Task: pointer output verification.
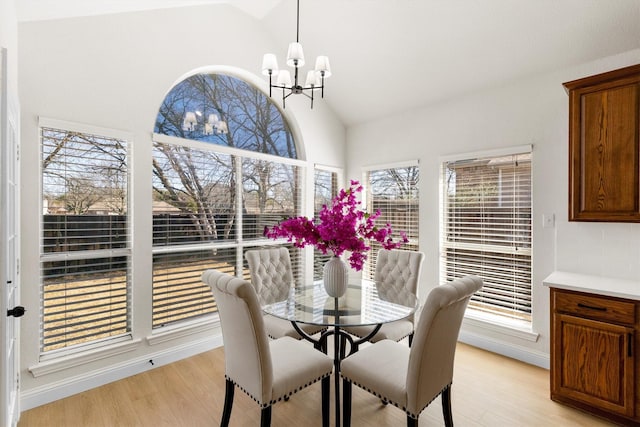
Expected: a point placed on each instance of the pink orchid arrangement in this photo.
(341, 227)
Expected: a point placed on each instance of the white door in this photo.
(9, 254)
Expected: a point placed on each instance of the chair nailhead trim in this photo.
(272, 401)
(414, 416)
(362, 336)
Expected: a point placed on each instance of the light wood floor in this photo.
(488, 390)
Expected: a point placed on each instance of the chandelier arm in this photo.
(312, 87)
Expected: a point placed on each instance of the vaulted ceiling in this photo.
(389, 56)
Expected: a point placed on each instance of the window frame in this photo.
(318, 257)
(239, 243)
(126, 337)
(368, 269)
(492, 320)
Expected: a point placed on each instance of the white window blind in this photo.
(210, 207)
(486, 230)
(271, 191)
(85, 249)
(393, 191)
(325, 186)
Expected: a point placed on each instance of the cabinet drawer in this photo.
(595, 307)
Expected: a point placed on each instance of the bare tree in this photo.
(201, 183)
(81, 169)
(81, 194)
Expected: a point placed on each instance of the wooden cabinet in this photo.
(604, 146)
(594, 364)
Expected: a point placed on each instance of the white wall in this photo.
(9, 40)
(113, 71)
(530, 111)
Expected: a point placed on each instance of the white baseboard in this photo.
(73, 385)
(514, 351)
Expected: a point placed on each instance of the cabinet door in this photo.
(593, 363)
(604, 147)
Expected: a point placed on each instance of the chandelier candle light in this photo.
(295, 59)
(341, 227)
(213, 123)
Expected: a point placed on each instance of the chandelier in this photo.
(194, 121)
(295, 58)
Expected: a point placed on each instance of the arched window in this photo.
(224, 110)
(224, 167)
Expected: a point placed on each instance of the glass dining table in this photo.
(365, 303)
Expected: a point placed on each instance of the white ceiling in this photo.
(389, 56)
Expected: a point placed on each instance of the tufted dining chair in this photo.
(272, 277)
(396, 271)
(412, 377)
(267, 370)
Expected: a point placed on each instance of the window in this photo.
(393, 191)
(214, 192)
(251, 121)
(85, 249)
(486, 229)
(325, 186)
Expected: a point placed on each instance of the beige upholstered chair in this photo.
(396, 271)
(410, 378)
(271, 276)
(267, 370)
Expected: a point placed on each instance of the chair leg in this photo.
(265, 417)
(412, 422)
(326, 396)
(346, 403)
(446, 407)
(228, 403)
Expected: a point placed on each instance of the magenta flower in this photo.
(341, 227)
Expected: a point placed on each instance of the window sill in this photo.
(185, 329)
(516, 329)
(71, 361)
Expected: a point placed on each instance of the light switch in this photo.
(548, 220)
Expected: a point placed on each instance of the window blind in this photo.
(394, 192)
(85, 246)
(486, 230)
(178, 291)
(210, 207)
(193, 196)
(271, 191)
(325, 189)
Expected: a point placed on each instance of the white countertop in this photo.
(621, 288)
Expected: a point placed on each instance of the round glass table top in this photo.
(364, 303)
